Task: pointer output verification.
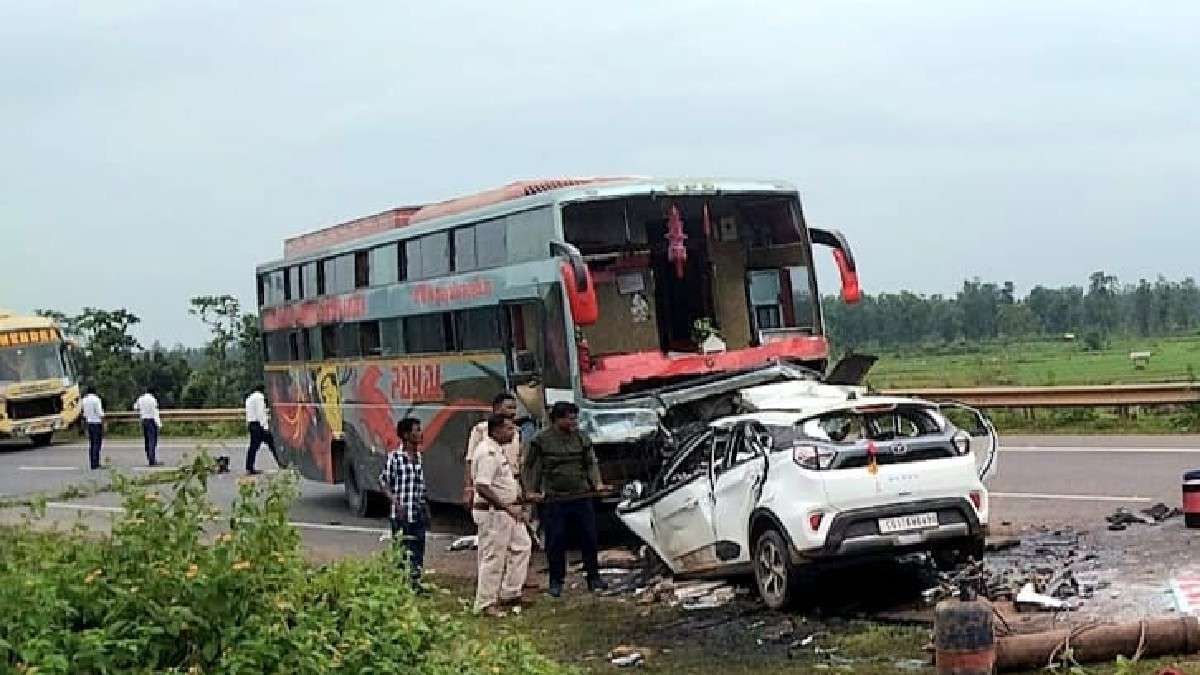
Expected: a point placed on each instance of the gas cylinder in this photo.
(1191, 499)
(963, 638)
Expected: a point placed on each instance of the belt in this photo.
(488, 507)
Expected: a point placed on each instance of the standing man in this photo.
(403, 481)
(257, 424)
(93, 417)
(147, 408)
(504, 404)
(504, 544)
(561, 470)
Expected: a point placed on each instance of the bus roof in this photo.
(10, 320)
(530, 193)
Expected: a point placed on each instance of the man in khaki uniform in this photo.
(504, 544)
(505, 405)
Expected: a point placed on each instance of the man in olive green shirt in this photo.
(560, 470)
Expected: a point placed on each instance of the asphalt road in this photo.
(1042, 480)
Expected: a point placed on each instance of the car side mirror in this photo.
(633, 491)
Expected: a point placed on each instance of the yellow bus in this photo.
(39, 391)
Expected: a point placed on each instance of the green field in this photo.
(1038, 363)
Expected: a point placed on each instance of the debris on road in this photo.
(468, 543)
(1124, 517)
(995, 544)
(1029, 598)
(626, 656)
(622, 558)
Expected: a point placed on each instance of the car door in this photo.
(683, 515)
(985, 444)
(737, 484)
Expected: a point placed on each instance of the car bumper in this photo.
(856, 534)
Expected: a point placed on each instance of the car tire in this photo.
(42, 440)
(774, 573)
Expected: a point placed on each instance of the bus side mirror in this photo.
(851, 291)
(577, 280)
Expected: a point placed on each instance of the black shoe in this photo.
(597, 584)
(252, 472)
(156, 463)
(555, 590)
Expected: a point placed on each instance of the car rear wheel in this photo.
(773, 570)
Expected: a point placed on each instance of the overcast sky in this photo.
(152, 151)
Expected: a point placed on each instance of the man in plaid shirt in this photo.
(403, 481)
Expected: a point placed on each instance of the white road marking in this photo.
(1070, 498)
(85, 507)
(1117, 451)
(339, 528)
(50, 468)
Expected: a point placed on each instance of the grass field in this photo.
(1038, 363)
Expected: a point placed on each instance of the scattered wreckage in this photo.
(796, 471)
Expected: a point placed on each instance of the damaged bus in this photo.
(647, 302)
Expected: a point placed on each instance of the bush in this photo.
(162, 595)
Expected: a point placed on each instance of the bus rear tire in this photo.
(361, 502)
(42, 440)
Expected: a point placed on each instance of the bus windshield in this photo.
(31, 362)
(684, 275)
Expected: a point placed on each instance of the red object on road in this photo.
(1191, 499)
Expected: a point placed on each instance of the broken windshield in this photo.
(31, 362)
(672, 272)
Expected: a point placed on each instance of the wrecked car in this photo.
(805, 473)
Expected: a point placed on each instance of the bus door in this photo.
(537, 352)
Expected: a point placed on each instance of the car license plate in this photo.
(917, 521)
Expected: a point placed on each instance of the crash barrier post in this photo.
(1191, 499)
(1099, 643)
(964, 640)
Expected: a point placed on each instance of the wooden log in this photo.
(1097, 643)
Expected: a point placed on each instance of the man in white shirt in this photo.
(505, 405)
(259, 428)
(93, 418)
(147, 408)
(504, 542)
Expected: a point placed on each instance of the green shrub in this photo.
(179, 588)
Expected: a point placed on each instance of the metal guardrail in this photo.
(184, 415)
(1116, 395)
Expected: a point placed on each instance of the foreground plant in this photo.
(177, 588)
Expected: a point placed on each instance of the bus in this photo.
(39, 391)
(643, 301)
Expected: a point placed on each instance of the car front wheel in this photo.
(773, 570)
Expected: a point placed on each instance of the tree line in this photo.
(984, 310)
(112, 360)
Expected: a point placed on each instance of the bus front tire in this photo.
(42, 440)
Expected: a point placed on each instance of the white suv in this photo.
(817, 473)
